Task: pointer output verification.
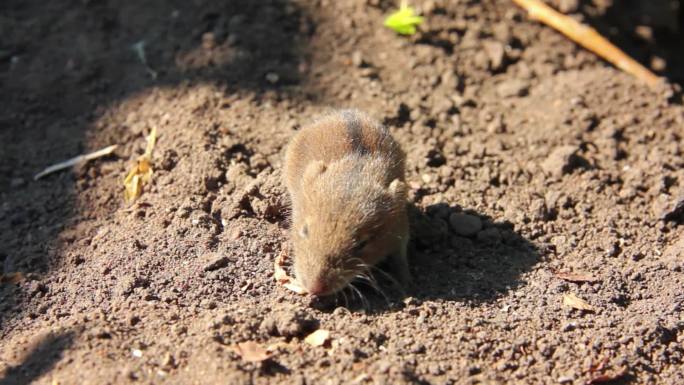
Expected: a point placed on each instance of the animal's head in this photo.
(344, 221)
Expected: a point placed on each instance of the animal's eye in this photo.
(304, 232)
(360, 245)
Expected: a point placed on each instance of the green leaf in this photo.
(404, 20)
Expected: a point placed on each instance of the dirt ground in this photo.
(528, 158)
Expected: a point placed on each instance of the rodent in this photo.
(345, 175)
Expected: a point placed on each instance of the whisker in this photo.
(394, 282)
(351, 292)
(364, 302)
(373, 284)
(368, 273)
(365, 278)
(344, 295)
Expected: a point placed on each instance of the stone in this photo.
(214, 261)
(465, 225)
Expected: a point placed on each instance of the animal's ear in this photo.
(397, 189)
(313, 170)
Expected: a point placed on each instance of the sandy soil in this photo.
(528, 158)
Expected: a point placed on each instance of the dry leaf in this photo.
(607, 377)
(597, 378)
(251, 351)
(281, 276)
(318, 338)
(282, 257)
(576, 277)
(598, 367)
(13, 278)
(141, 173)
(151, 141)
(280, 273)
(575, 302)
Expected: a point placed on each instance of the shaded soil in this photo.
(527, 157)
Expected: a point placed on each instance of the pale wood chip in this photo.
(575, 302)
(318, 338)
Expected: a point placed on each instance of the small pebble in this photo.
(208, 40)
(464, 224)
(512, 88)
(645, 32)
(496, 52)
(568, 6)
(214, 261)
(658, 64)
(272, 77)
(569, 326)
(169, 361)
(357, 59)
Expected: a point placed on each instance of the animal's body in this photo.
(345, 177)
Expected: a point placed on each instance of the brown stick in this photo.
(588, 38)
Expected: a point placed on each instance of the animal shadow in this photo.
(464, 255)
(454, 255)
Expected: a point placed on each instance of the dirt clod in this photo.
(561, 160)
(289, 322)
(671, 208)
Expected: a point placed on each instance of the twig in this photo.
(588, 38)
(76, 160)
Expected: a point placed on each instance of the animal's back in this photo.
(339, 135)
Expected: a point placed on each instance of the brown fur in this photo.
(345, 176)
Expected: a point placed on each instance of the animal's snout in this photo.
(318, 287)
